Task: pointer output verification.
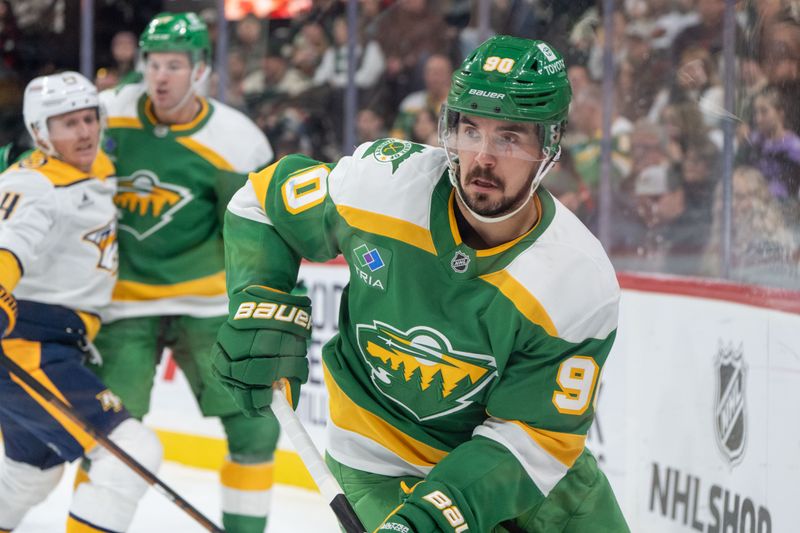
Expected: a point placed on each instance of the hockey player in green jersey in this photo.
(180, 157)
(477, 319)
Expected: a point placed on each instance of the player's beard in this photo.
(481, 204)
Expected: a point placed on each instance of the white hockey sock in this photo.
(108, 500)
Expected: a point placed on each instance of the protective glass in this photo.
(459, 133)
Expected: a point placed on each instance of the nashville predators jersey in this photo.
(59, 225)
(475, 367)
(174, 184)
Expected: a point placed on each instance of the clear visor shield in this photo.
(460, 133)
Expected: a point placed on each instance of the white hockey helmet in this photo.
(56, 94)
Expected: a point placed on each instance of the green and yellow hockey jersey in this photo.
(470, 367)
(174, 184)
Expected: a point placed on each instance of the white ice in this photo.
(293, 509)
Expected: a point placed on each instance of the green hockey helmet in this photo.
(514, 79)
(177, 32)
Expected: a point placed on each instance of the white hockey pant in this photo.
(21, 487)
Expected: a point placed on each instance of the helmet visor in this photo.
(460, 133)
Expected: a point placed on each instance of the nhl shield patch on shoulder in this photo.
(393, 151)
(730, 416)
(370, 263)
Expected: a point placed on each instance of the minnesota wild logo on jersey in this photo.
(393, 151)
(146, 204)
(420, 370)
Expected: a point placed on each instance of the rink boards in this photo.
(697, 422)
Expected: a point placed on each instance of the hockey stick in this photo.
(316, 466)
(107, 443)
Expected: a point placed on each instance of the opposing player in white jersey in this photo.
(180, 157)
(58, 265)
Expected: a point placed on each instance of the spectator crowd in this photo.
(667, 123)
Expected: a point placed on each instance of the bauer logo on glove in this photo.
(273, 311)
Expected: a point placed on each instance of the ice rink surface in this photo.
(293, 509)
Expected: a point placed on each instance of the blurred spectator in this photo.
(9, 37)
(684, 125)
(661, 21)
(234, 90)
(333, 68)
(752, 81)
(370, 125)
(105, 79)
(124, 56)
(649, 69)
(409, 32)
(426, 128)
(275, 78)
(331, 75)
(249, 41)
(780, 59)
(705, 34)
(773, 149)
(596, 50)
(578, 76)
(700, 171)
(369, 16)
(585, 138)
(308, 47)
(566, 185)
(763, 246)
(660, 236)
(438, 70)
(124, 52)
(696, 81)
(322, 14)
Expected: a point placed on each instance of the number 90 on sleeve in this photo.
(577, 377)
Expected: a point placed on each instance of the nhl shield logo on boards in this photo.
(460, 262)
(730, 416)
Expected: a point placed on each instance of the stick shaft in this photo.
(314, 462)
(107, 443)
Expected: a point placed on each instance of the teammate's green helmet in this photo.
(514, 79)
(177, 32)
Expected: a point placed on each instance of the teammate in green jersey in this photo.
(477, 319)
(180, 157)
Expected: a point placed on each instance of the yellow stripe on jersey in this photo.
(125, 122)
(566, 447)
(451, 212)
(260, 181)
(28, 355)
(240, 476)
(78, 526)
(523, 300)
(205, 152)
(213, 285)
(10, 271)
(63, 174)
(346, 415)
(387, 226)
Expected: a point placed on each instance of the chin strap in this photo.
(544, 168)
